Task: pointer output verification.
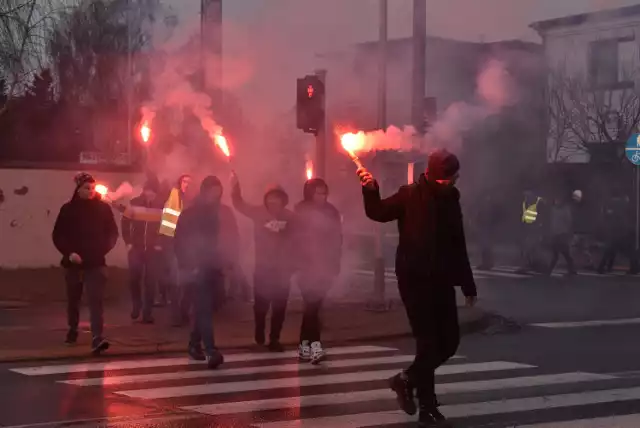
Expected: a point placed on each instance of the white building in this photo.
(593, 92)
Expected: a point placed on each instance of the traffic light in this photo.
(310, 104)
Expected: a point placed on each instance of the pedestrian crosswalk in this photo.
(349, 390)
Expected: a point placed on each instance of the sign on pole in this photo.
(632, 149)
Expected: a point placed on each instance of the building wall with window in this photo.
(594, 63)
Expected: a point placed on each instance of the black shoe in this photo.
(148, 320)
(195, 352)
(259, 336)
(135, 313)
(404, 393)
(275, 346)
(72, 337)
(214, 361)
(432, 419)
(99, 345)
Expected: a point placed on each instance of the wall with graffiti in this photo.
(30, 200)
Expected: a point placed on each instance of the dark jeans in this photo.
(433, 316)
(270, 290)
(615, 246)
(143, 270)
(174, 285)
(314, 289)
(561, 245)
(202, 289)
(93, 280)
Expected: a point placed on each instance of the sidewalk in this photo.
(37, 333)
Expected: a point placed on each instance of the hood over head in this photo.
(210, 182)
(276, 190)
(442, 165)
(310, 187)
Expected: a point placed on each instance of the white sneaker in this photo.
(317, 353)
(304, 351)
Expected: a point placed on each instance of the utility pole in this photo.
(379, 302)
(321, 136)
(211, 49)
(419, 77)
(129, 86)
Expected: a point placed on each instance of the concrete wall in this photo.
(30, 203)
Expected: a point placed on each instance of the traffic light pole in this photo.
(321, 136)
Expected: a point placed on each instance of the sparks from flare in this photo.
(145, 132)
(351, 143)
(309, 170)
(222, 144)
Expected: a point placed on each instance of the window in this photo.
(611, 63)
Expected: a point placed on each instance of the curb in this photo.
(473, 326)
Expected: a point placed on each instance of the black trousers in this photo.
(143, 277)
(270, 290)
(561, 245)
(433, 316)
(314, 289)
(94, 281)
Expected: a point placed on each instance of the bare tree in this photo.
(579, 113)
(24, 26)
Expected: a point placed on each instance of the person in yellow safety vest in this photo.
(170, 214)
(530, 235)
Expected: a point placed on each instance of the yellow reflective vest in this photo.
(530, 213)
(170, 213)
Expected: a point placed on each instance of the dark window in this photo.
(603, 63)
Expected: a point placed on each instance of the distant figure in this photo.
(272, 224)
(561, 233)
(318, 247)
(431, 259)
(197, 248)
(618, 235)
(487, 219)
(144, 254)
(84, 233)
(530, 231)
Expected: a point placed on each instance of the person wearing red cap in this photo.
(431, 259)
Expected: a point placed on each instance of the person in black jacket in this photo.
(430, 260)
(199, 254)
(272, 224)
(144, 253)
(318, 246)
(84, 232)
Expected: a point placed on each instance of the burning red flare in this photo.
(309, 170)
(145, 132)
(352, 143)
(222, 144)
(102, 190)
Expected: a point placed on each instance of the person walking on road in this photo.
(197, 248)
(318, 246)
(144, 254)
(272, 277)
(430, 260)
(85, 231)
(561, 231)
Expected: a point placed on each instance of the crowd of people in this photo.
(195, 246)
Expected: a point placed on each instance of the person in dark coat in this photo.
(197, 246)
(272, 225)
(561, 233)
(430, 260)
(618, 222)
(318, 248)
(84, 233)
(144, 253)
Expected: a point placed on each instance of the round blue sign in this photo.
(633, 149)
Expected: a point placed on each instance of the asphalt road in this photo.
(535, 376)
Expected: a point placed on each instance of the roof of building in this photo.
(574, 20)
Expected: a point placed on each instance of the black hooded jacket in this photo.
(432, 249)
(85, 227)
(272, 234)
(318, 233)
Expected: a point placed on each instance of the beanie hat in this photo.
(83, 177)
(209, 183)
(442, 165)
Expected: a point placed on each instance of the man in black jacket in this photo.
(84, 232)
(199, 254)
(144, 254)
(431, 259)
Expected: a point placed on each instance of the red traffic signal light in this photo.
(310, 103)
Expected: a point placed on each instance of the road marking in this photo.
(296, 367)
(445, 388)
(599, 323)
(479, 409)
(126, 421)
(620, 421)
(171, 362)
(341, 398)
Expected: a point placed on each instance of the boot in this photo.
(430, 416)
(404, 392)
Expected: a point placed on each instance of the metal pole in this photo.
(321, 136)
(378, 265)
(419, 64)
(129, 84)
(637, 210)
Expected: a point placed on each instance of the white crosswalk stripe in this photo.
(348, 390)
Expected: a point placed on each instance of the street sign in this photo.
(632, 149)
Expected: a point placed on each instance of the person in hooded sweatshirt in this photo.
(272, 224)
(85, 231)
(318, 247)
(197, 248)
(430, 260)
